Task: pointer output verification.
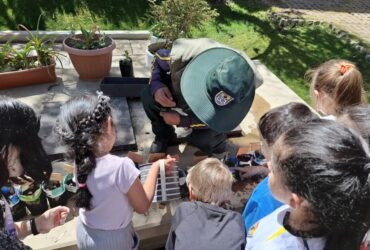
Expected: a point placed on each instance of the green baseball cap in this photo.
(219, 87)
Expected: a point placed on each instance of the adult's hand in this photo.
(51, 218)
(164, 97)
(171, 118)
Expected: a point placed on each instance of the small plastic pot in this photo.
(54, 190)
(34, 199)
(18, 211)
(70, 186)
(126, 68)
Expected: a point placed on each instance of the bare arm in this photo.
(141, 196)
(44, 223)
(23, 229)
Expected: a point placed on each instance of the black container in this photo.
(123, 86)
(58, 201)
(38, 207)
(126, 68)
(19, 211)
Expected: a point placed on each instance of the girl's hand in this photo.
(169, 163)
(51, 218)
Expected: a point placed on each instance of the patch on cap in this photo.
(222, 98)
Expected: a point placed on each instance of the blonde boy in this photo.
(202, 223)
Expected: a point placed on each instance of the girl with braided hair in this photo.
(109, 186)
(21, 153)
(321, 171)
(335, 85)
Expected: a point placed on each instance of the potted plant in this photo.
(125, 66)
(90, 53)
(175, 19)
(33, 64)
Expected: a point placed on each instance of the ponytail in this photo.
(339, 79)
(348, 90)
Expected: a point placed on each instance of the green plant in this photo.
(21, 58)
(88, 39)
(176, 18)
(42, 45)
(5, 55)
(38, 51)
(127, 59)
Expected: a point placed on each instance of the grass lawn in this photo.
(288, 54)
(68, 14)
(243, 24)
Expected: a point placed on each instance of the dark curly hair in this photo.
(19, 127)
(329, 166)
(79, 126)
(278, 120)
(358, 118)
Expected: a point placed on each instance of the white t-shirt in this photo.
(109, 183)
(269, 233)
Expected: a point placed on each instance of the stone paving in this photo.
(352, 16)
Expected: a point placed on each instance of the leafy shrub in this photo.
(176, 18)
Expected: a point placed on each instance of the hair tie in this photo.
(344, 67)
(81, 185)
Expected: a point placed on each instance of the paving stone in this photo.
(139, 47)
(121, 46)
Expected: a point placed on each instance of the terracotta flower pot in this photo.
(13, 79)
(91, 64)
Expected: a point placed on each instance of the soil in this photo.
(52, 185)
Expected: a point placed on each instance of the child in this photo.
(202, 223)
(271, 125)
(335, 85)
(357, 118)
(109, 186)
(21, 153)
(321, 171)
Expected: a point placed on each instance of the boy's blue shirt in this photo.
(260, 204)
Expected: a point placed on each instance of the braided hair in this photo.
(79, 126)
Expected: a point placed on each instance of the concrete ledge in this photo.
(21, 36)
